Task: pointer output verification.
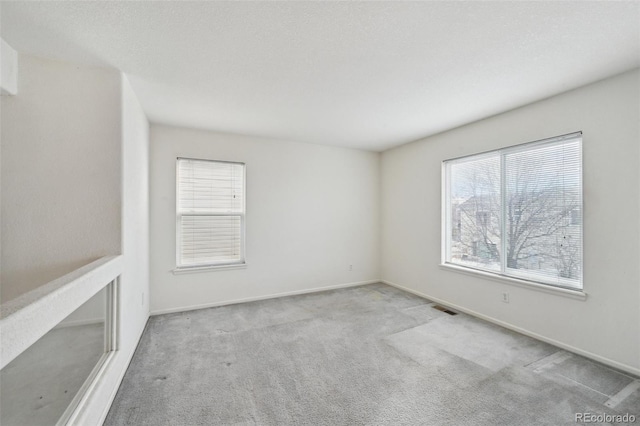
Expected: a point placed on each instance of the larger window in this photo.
(518, 211)
(210, 213)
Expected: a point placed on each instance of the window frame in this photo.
(506, 274)
(210, 265)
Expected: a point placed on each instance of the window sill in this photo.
(565, 292)
(178, 271)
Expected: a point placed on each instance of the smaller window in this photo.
(210, 213)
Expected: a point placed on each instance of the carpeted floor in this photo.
(369, 355)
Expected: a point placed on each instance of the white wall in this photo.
(135, 206)
(60, 170)
(312, 211)
(134, 282)
(75, 165)
(607, 325)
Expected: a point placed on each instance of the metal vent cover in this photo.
(444, 309)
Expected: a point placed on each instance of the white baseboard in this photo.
(264, 297)
(586, 354)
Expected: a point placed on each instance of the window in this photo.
(210, 213)
(517, 211)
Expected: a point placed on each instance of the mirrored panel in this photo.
(43, 384)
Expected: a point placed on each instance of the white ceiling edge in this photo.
(194, 124)
(517, 107)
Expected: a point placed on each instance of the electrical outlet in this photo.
(351, 267)
(505, 297)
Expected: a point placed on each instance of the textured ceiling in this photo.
(367, 75)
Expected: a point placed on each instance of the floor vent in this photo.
(445, 310)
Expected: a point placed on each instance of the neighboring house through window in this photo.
(517, 211)
(210, 213)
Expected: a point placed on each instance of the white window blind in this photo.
(210, 213)
(518, 211)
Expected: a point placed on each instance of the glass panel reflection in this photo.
(37, 387)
